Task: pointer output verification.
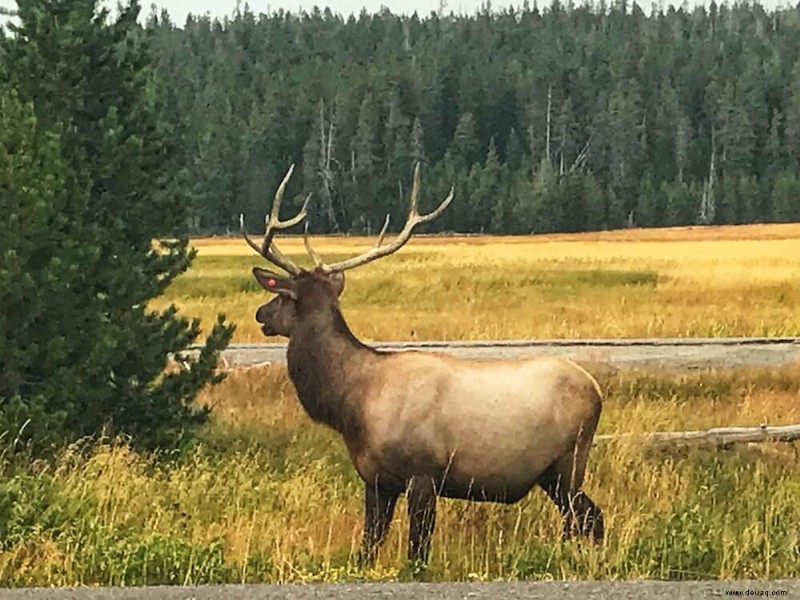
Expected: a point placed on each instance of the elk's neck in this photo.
(331, 371)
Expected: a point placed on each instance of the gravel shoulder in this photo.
(684, 354)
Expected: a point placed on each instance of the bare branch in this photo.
(580, 160)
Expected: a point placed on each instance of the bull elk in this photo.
(427, 424)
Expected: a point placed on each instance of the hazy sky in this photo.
(178, 9)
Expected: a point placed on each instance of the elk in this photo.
(424, 424)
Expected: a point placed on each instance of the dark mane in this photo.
(340, 327)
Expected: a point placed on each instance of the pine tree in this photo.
(98, 356)
(793, 116)
(786, 198)
(365, 165)
(395, 139)
(464, 147)
(417, 142)
(33, 203)
(514, 151)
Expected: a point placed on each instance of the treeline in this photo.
(555, 119)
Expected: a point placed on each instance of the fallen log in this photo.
(716, 437)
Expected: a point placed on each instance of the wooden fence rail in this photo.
(717, 437)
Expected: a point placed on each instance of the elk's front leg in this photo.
(422, 518)
(378, 511)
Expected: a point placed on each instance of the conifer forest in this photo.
(554, 118)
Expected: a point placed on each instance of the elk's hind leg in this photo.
(421, 496)
(378, 511)
(562, 482)
(581, 515)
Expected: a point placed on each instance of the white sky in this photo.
(179, 9)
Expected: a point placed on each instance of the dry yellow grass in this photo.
(322, 514)
(715, 281)
(634, 487)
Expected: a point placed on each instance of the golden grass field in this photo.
(269, 496)
(684, 282)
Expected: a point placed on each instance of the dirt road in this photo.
(673, 353)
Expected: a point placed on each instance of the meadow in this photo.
(268, 496)
(683, 282)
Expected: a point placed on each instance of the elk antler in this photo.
(378, 251)
(273, 224)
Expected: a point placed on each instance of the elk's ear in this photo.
(337, 283)
(277, 284)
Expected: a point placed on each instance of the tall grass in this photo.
(269, 496)
(727, 281)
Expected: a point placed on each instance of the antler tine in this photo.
(431, 215)
(383, 232)
(314, 256)
(268, 249)
(378, 251)
(249, 241)
(414, 191)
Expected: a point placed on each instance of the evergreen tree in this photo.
(514, 152)
(395, 142)
(680, 203)
(366, 169)
(538, 208)
(786, 198)
(464, 148)
(95, 188)
(32, 282)
(793, 116)
(417, 142)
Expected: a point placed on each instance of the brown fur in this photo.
(433, 425)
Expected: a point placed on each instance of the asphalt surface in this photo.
(684, 354)
(616, 590)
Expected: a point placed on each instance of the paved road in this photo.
(675, 353)
(634, 590)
